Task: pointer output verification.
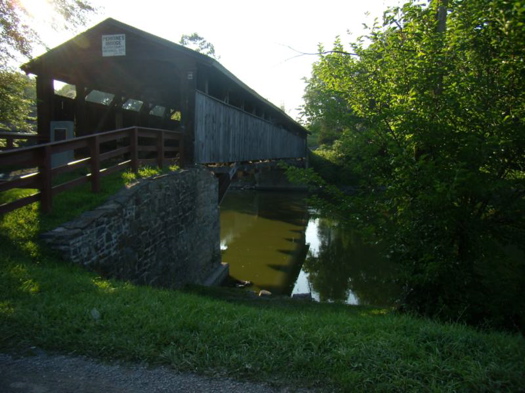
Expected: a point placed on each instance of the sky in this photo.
(259, 42)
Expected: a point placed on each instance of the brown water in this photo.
(275, 241)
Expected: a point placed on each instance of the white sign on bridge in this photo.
(114, 45)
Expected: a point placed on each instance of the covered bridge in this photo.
(125, 77)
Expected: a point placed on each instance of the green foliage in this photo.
(70, 204)
(330, 165)
(17, 101)
(22, 226)
(17, 35)
(326, 110)
(198, 44)
(344, 262)
(17, 39)
(146, 171)
(436, 137)
(68, 91)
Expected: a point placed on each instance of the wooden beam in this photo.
(188, 94)
(81, 125)
(45, 108)
(94, 153)
(44, 170)
(116, 102)
(119, 115)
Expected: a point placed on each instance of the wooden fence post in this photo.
(134, 147)
(46, 186)
(181, 151)
(160, 149)
(94, 147)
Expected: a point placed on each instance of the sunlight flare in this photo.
(41, 11)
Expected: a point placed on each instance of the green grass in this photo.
(47, 303)
(70, 204)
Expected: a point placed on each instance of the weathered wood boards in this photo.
(224, 133)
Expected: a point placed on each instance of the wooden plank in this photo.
(68, 145)
(8, 207)
(116, 168)
(227, 134)
(70, 184)
(134, 140)
(40, 156)
(70, 167)
(29, 181)
(147, 161)
(19, 157)
(18, 135)
(114, 153)
(45, 94)
(95, 163)
(168, 135)
(44, 169)
(160, 150)
(111, 136)
(143, 148)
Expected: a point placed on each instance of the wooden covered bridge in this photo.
(129, 86)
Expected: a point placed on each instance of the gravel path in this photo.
(45, 373)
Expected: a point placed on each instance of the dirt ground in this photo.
(46, 373)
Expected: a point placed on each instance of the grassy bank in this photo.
(46, 303)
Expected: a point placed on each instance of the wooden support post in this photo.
(101, 126)
(81, 125)
(46, 186)
(188, 115)
(119, 116)
(45, 93)
(143, 115)
(181, 151)
(160, 149)
(134, 147)
(94, 153)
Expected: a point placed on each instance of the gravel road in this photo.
(45, 373)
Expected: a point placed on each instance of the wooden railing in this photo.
(11, 137)
(36, 167)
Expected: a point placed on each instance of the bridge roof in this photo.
(140, 65)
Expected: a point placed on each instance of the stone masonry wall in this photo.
(162, 231)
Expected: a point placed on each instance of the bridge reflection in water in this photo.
(270, 239)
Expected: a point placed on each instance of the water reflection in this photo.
(340, 266)
(270, 239)
(262, 238)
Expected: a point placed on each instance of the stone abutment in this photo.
(162, 231)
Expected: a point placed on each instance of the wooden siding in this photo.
(224, 133)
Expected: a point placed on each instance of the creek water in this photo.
(276, 241)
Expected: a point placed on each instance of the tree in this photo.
(366, 273)
(17, 39)
(326, 111)
(198, 44)
(18, 36)
(17, 97)
(437, 135)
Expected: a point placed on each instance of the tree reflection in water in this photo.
(343, 267)
(265, 237)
